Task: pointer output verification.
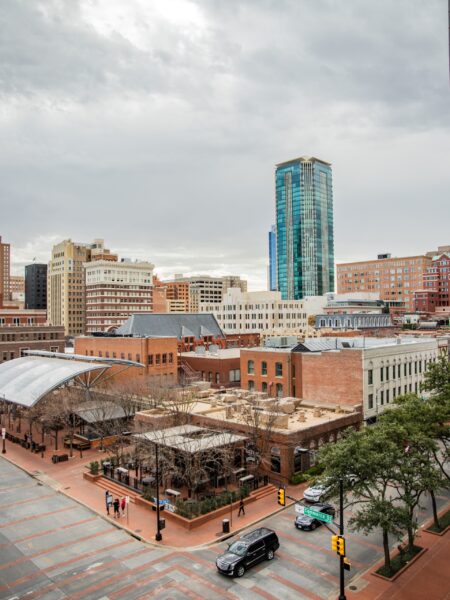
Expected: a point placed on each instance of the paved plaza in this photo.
(52, 547)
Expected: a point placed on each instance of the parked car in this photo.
(303, 521)
(316, 493)
(249, 550)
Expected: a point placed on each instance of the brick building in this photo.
(27, 330)
(221, 368)
(394, 279)
(435, 290)
(369, 372)
(158, 355)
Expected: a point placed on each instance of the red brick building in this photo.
(158, 355)
(435, 291)
(22, 330)
(221, 368)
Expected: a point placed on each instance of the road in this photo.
(52, 548)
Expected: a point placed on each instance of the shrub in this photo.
(298, 478)
(93, 467)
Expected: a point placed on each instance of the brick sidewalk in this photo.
(67, 477)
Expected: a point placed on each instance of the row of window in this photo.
(396, 370)
(387, 395)
(251, 368)
(264, 388)
(157, 359)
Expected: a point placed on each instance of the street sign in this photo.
(310, 512)
(3, 433)
(299, 509)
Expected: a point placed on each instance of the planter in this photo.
(196, 521)
(445, 517)
(91, 476)
(403, 569)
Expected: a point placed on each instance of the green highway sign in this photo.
(310, 512)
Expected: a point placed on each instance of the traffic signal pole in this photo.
(341, 532)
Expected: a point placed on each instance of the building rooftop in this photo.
(219, 354)
(303, 159)
(190, 438)
(171, 325)
(324, 344)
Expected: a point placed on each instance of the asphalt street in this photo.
(51, 547)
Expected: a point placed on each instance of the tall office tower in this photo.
(36, 286)
(66, 289)
(272, 259)
(305, 236)
(5, 289)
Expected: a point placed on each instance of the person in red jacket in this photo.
(123, 505)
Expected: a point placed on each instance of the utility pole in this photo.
(341, 532)
(158, 536)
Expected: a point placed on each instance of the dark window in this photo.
(150, 359)
(370, 376)
(279, 369)
(250, 367)
(382, 374)
(264, 368)
(370, 401)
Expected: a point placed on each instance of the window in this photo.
(251, 385)
(264, 368)
(387, 396)
(234, 375)
(164, 359)
(138, 358)
(404, 370)
(382, 398)
(279, 390)
(387, 373)
(170, 357)
(217, 378)
(370, 401)
(275, 460)
(399, 370)
(279, 369)
(410, 368)
(251, 367)
(370, 376)
(393, 371)
(158, 359)
(382, 374)
(150, 359)
(264, 387)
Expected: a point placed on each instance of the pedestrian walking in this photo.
(123, 505)
(241, 507)
(116, 505)
(109, 501)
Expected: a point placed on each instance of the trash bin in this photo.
(226, 526)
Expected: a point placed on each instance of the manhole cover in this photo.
(67, 488)
(352, 587)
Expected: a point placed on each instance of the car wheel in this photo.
(240, 571)
(313, 526)
(269, 555)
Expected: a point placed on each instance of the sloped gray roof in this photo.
(322, 344)
(93, 412)
(171, 325)
(26, 380)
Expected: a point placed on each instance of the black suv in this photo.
(249, 550)
(305, 522)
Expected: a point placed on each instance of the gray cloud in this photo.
(159, 131)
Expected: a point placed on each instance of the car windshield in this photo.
(239, 548)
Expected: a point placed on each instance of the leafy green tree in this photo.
(369, 457)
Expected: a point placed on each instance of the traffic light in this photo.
(338, 544)
(281, 496)
(346, 564)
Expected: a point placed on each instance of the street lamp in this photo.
(4, 440)
(158, 536)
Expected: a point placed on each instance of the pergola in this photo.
(24, 381)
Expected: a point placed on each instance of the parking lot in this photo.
(51, 547)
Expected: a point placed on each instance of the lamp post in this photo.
(158, 536)
(3, 440)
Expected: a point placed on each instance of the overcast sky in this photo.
(156, 125)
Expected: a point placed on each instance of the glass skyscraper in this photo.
(304, 228)
(273, 258)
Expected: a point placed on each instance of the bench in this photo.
(170, 492)
(77, 444)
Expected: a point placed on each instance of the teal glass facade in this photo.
(304, 222)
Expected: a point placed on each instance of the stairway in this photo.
(116, 489)
(190, 374)
(264, 491)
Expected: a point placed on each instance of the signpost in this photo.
(310, 512)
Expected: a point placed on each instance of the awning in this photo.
(26, 380)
